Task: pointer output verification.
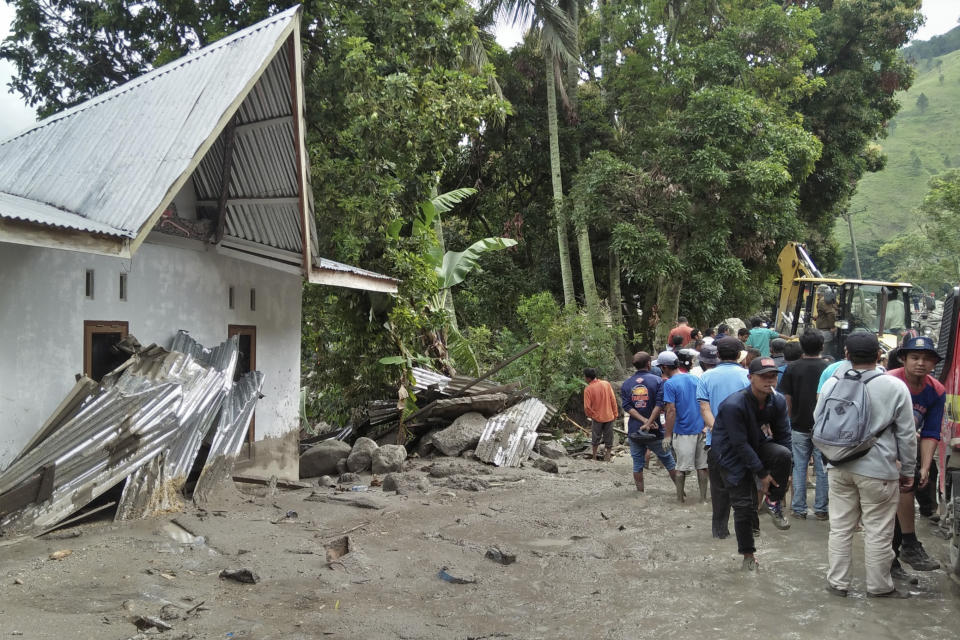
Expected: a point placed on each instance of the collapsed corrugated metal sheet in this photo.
(123, 427)
(113, 159)
(508, 437)
(145, 423)
(154, 489)
(228, 435)
(425, 378)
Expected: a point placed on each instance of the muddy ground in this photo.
(594, 560)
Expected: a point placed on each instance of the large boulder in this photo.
(463, 434)
(388, 458)
(551, 449)
(362, 454)
(321, 459)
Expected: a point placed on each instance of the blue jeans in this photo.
(639, 454)
(802, 450)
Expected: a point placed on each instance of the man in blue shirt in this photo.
(684, 424)
(713, 387)
(642, 398)
(749, 458)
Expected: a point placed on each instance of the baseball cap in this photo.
(666, 359)
(920, 343)
(765, 364)
(709, 354)
(862, 343)
(728, 348)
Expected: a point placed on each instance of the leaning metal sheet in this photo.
(508, 437)
(121, 428)
(201, 401)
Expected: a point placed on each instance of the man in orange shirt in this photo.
(600, 405)
(682, 329)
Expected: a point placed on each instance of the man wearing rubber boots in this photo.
(642, 399)
(919, 359)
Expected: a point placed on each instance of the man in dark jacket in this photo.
(751, 436)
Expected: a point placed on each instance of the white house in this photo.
(179, 200)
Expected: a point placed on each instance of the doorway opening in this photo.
(246, 362)
(100, 353)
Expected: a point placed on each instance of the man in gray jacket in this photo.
(869, 487)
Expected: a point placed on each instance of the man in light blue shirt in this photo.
(713, 387)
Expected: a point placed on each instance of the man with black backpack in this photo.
(863, 424)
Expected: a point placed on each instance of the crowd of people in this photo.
(746, 415)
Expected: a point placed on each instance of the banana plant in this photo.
(450, 267)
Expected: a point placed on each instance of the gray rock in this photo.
(467, 483)
(425, 446)
(342, 466)
(388, 458)
(546, 464)
(321, 459)
(405, 483)
(469, 454)
(326, 481)
(463, 434)
(552, 450)
(501, 555)
(359, 459)
(348, 479)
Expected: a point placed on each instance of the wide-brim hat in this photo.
(921, 344)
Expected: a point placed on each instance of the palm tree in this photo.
(558, 41)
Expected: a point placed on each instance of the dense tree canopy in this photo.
(684, 140)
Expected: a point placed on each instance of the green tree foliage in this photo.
(856, 57)
(935, 46)
(929, 255)
(923, 102)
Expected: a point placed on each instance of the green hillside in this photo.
(919, 145)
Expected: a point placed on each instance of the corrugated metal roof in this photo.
(113, 159)
(16, 208)
(508, 437)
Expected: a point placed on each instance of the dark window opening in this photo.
(253, 299)
(88, 284)
(100, 355)
(123, 286)
(230, 298)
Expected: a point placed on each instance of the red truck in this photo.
(948, 372)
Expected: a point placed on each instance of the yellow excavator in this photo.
(879, 307)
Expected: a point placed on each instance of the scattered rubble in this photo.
(245, 576)
(551, 449)
(450, 575)
(546, 464)
(500, 556)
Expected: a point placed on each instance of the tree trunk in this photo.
(616, 310)
(608, 61)
(668, 304)
(566, 270)
(590, 295)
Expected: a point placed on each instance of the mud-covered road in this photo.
(594, 560)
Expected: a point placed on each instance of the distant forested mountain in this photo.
(935, 46)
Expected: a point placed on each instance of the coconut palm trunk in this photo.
(563, 242)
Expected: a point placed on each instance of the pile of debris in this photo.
(142, 425)
(498, 423)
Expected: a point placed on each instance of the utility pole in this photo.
(853, 241)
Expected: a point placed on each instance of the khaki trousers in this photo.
(854, 497)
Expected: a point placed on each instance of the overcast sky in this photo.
(941, 16)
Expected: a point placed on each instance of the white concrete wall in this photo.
(43, 307)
